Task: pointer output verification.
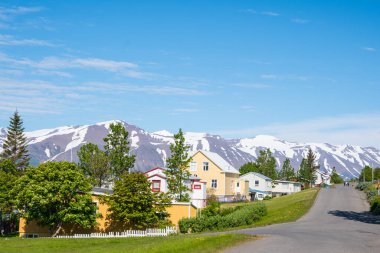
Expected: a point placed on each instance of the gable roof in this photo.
(218, 160)
(258, 175)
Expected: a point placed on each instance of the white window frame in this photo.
(206, 165)
(193, 166)
(214, 183)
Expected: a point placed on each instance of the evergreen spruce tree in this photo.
(14, 146)
(311, 166)
(287, 171)
(177, 170)
(302, 173)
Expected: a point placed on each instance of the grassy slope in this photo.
(286, 208)
(183, 244)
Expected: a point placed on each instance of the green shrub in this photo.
(234, 217)
(362, 186)
(371, 194)
(212, 209)
(267, 197)
(375, 205)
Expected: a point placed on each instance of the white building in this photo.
(158, 180)
(260, 186)
(282, 187)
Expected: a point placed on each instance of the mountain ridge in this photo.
(152, 149)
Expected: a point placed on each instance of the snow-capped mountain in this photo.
(152, 149)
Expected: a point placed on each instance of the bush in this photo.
(362, 186)
(267, 197)
(234, 217)
(375, 205)
(371, 194)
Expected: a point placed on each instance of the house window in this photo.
(205, 166)
(214, 183)
(95, 204)
(193, 166)
(156, 185)
(237, 184)
(197, 187)
(260, 195)
(256, 182)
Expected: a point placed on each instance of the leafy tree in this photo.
(133, 204)
(287, 171)
(54, 194)
(177, 170)
(248, 167)
(366, 174)
(14, 146)
(264, 164)
(117, 149)
(335, 178)
(94, 163)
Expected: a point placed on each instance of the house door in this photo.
(253, 194)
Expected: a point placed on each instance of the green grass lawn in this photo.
(180, 243)
(286, 208)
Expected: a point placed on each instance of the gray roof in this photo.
(101, 191)
(258, 175)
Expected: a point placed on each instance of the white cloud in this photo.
(9, 40)
(8, 13)
(252, 85)
(300, 21)
(248, 108)
(270, 13)
(369, 49)
(355, 129)
(284, 77)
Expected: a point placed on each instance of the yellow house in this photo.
(221, 178)
(31, 229)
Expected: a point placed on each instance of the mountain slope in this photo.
(152, 149)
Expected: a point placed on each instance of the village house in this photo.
(198, 195)
(260, 186)
(282, 187)
(30, 229)
(221, 178)
(322, 178)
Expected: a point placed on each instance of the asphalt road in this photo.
(338, 222)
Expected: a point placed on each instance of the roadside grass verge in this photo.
(180, 243)
(284, 209)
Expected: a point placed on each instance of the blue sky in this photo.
(298, 70)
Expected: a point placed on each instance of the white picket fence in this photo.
(128, 233)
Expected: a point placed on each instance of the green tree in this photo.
(177, 170)
(94, 163)
(303, 172)
(54, 194)
(311, 166)
(133, 204)
(335, 178)
(264, 164)
(287, 171)
(366, 174)
(117, 150)
(248, 167)
(14, 146)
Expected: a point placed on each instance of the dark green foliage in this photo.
(287, 171)
(249, 167)
(14, 146)
(335, 178)
(133, 204)
(366, 174)
(308, 167)
(177, 171)
(94, 163)
(375, 205)
(265, 164)
(7, 182)
(117, 150)
(54, 194)
(245, 215)
(212, 208)
(362, 186)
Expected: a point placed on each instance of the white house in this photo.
(281, 187)
(322, 178)
(260, 186)
(198, 195)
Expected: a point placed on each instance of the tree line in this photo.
(55, 194)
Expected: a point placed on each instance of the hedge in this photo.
(375, 205)
(245, 215)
